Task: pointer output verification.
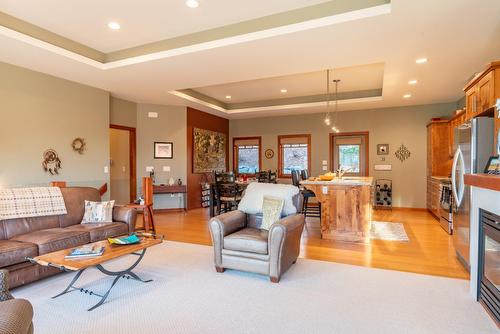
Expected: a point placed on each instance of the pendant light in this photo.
(327, 117)
(334, 127)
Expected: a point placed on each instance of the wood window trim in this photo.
(280, 154)
(365, 134)
(132, 158)
(235, 153)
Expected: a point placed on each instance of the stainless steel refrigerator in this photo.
(473, 147)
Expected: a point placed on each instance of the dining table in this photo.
(242, 184)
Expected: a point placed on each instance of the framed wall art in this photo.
(163, 150)
(209, 151)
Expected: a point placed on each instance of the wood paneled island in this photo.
(346, 207)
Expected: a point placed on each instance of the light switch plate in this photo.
(166, 168)
(150, 169)
(106, 169)
(124, 169)
(383, 167)
(152, 114)
(325, 162)
(324, 168)
(324, 189)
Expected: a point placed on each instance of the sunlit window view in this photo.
(248, 159)
(294, 157)
(349, 157)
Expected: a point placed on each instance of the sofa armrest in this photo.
(222, 225)
(16, 316)
(284, 243)
(123, 214)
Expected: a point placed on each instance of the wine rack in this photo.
(205, 195)
(383, 194)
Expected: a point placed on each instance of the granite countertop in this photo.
(345, 181)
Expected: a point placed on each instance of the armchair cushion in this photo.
(247, 240)
(252, 200)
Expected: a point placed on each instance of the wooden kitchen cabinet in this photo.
(482, 92)
(438, 148)
(455, 121)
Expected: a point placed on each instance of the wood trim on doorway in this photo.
(235, 152)
(365, 134)
(132, 157)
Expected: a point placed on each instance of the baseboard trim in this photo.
(170, 210)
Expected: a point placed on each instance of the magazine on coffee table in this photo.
(85, 251)
(130, 240)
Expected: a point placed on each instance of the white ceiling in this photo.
(144, 21)
(354, 78)
(458, 36)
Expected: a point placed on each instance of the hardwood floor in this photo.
(429, 251)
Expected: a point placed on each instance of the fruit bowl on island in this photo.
(327, 177)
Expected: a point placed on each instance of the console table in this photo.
(174, 189)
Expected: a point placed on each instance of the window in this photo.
(294, 154)
(349, 152)
(246, 155)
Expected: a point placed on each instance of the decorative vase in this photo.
(179, 182)
(171, 181)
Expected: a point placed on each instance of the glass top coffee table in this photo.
(57, 259)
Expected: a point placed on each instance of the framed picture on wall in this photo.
(163, 150)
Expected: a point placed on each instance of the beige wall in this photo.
(37, 112)
(170, 126)
(393, 126)
(122, 112)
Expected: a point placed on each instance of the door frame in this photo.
(365, 134)
(132, 158)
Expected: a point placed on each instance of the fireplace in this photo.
(489, 263)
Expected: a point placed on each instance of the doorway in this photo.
(122, 150)
(350, 151)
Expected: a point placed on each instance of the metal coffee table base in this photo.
(127, 273)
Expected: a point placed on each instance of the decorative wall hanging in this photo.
(402, 153)
(78, 145)
(269, 153)
(51, 162)
(163, 150)
(209, 151)
(382, 149)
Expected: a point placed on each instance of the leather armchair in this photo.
(239, 242)
(15, 314)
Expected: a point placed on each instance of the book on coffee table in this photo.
(85, 251)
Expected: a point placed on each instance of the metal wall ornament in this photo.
(402, 153)
(269, 153)
(51, 163)
(78, 145)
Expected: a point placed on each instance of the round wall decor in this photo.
(78, 145)
(269, 153)
(51, 162)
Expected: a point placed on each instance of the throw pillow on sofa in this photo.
(98, 212)
(271, 211)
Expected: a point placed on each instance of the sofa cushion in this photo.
(14, 252)
(74, 198)
(55, 239)
(247, 240)
(101, 231)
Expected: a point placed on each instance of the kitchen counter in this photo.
(346, 207)
(486, 181)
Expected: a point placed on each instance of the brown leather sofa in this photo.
(29, 237)
(239, 242)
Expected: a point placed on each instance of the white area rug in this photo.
(388, 231)
(188, 296)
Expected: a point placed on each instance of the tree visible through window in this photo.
(349, 157)
(294, 157)
(248, 159)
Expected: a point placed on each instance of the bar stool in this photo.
(309, 210)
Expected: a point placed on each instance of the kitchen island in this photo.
(346, 207)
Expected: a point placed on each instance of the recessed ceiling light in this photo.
(284, 90)
(421, 60)
(192, 3)
(407, 96)
(228, 97)
(114, 25)
(412, 82)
